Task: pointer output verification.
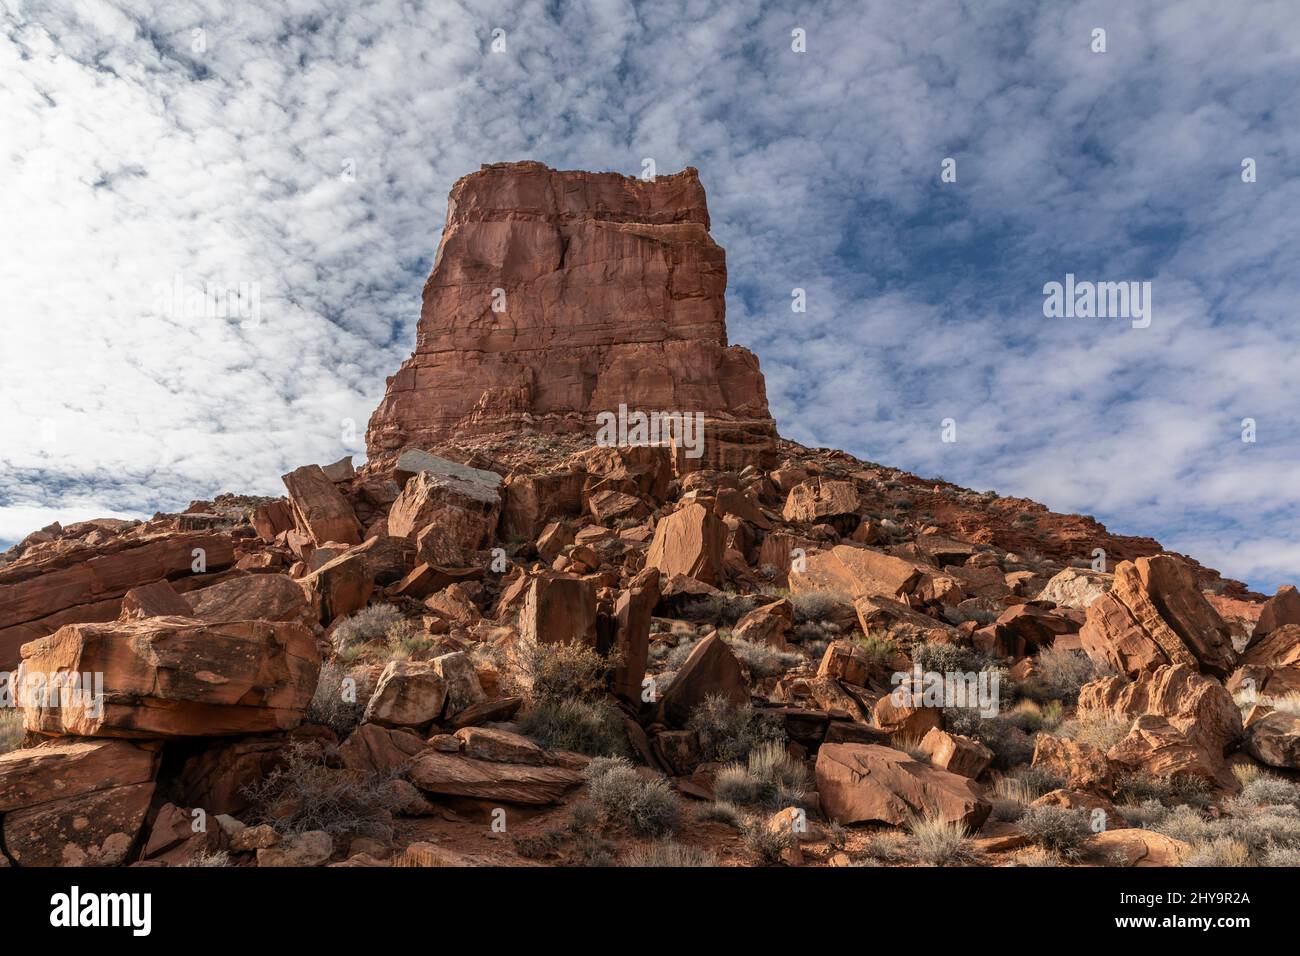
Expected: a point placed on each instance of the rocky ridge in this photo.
(618, 653)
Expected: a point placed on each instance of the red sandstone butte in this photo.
(611, 292)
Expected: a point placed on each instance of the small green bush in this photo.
(880, 649)
(592, 727)
(564, 671)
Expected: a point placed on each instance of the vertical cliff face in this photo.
(556, 296)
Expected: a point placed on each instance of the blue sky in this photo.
(311, 153)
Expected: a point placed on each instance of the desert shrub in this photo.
(592, 727)
(581, 830)
(1060, 673)
(539, 846)
(1246, 773)
(1056, 828)
(648, 806)
(720, 610)
(1134, 786)
(1267, 790)
(813, 606)
(889, 846)
(811, 633)
(205, 858)
(770, 778)
(1190, 789)
(1011, 746)
(1275, 855)
(670, 854)
(565, 670)
(1186, 824)
(1148, 814)
(676, 657)
(767, 843)
(730, 731)
(1037, 856)
(1272, 826)
(368, 626)
(941, 842)
(1220, 851)
(1100, 732)
(11, 729)
(328, 705)
(943, 658)
(1033, 717)
(568, 708)
(763, 660)
(880, 649)
(303, 794)
(837, 837)
(721, 812)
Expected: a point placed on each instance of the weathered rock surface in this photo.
(1155, 746)
(1273, 737)
(251, 597)
(856, 572)
(559, 609)
(1281, 609)
(1072, 587)
(864, 782)
(75, 803)
(710, 668)
(689, 541)
(456, 775)
(448, 517)
(558, 295)
(1194, 703)
(1138, 848)
(956, 753)
(319, 508)
(86, 584)
(170, 677)
(1154, 615)
(409, 694)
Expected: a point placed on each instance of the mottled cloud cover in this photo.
(309, 147)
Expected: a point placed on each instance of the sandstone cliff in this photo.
(559, 295)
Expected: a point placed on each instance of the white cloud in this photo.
(131, 157)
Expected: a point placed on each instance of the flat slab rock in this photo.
(456, 775)
(176, 677)
(867, 782)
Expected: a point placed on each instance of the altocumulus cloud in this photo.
(309, 150)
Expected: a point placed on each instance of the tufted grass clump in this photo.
(770, 778)
(646, 805)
